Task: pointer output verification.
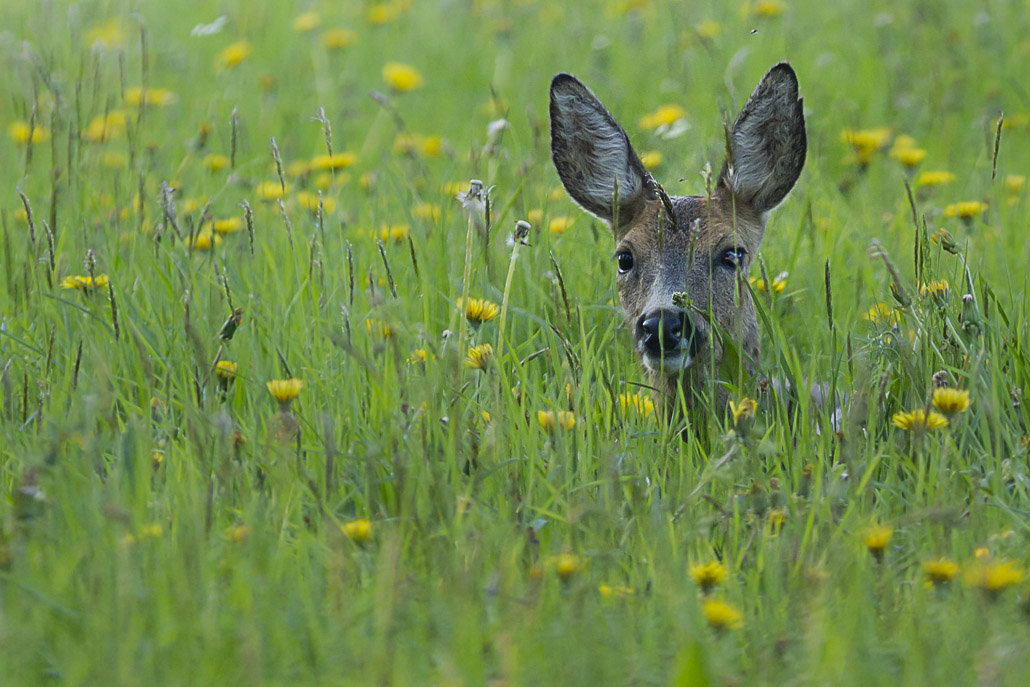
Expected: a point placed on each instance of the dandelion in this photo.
(225, 370)
(652, 159)
(934, 178)
(236, 533)
(228, 225)
(22, 132)
(640, 404)
(937, 289)
(419, 356)
(708, 576)
(865, 142)
(881, 313)
(966, 210)
(614, 591)
(427, 211)
(285, 390)
(1014, 183)
(106, 127)
(981, 552)
(951, 401)
(379, 328)
(777, 518)
(395, 233)
(478, 357)
(567, 565)
(110, 34)
(721, 616)
(84, 283)
(479, 310)
(876, 539)
(270, 190)
(159, 97)
(308, 21)
(744, 410)
(383, 13)
(559, 225)
(401, 77)
(338, 39)
(234, 54)
(665, 115)
(550, 420)
(919, 420)
(151, 531)
(358, 531)
(341, 160)
(215, 163)
(310, 201)
(910, 157)
(939, 571)
(298, 168)
(779, 284)
(204, 240)
(994, 577)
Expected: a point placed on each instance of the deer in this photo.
(682, 261)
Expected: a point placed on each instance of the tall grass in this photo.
(162, 524)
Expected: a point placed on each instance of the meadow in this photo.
(284, 398)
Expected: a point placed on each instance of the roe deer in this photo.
(698, 246)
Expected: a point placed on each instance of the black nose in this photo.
(662, 330)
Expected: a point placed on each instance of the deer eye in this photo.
(733, 258)
(625, 259)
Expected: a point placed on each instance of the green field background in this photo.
(160, 525)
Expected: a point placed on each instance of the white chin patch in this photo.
(668, 365)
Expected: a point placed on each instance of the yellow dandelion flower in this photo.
(430, 211)
(22, 132)
(358, 531)
(228, 225)
(934, 178)
(652, 159)
(557, 193)
(401, 77)
(665, 115)
(431, 146)
(383, 13)
(708, 29)
(935, 289)
(225, 370)
(567, 565)
(479, 310)
(159, 97)
(341, 160)
(234, 54)
(204, 240)
(550, 420)
(981, 552)
(215, 163)
(939, 571)
(419, 356)
(110, 34)
(106, 127)
(379, 328)
(308, 21)
(115, 159)
(270, 190)
(151, 531)
(910, 157)
(744, 410)
(994, 576)
(951, 401)
(1014, 183)
(866, 142)
(338, 39)
(708, 576)
(777, 517)
(721, 616)
(236, 533)
(640, 404)
(395, 233)
(535, 216)
(779, 283)
(84, 283)
(881, 313)
(919, 420)
(285, 390)
(614, 591)
(310, 201)
(478, 357)
(559, 225)
(298, 168)
(966, 210)
(903, 141)
(876, 538)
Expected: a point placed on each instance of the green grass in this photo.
(224, 562)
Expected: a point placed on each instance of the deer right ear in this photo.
(591, 153)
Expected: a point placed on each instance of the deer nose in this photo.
(662, 330)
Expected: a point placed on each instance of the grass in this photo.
(162, 525)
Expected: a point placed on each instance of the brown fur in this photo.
(600, 170)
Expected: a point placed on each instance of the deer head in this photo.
(698, 247)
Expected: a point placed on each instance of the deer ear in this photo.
(592, 153)
(767, 144)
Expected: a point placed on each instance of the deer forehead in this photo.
(702, 228)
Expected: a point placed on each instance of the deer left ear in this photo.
(768, 143)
